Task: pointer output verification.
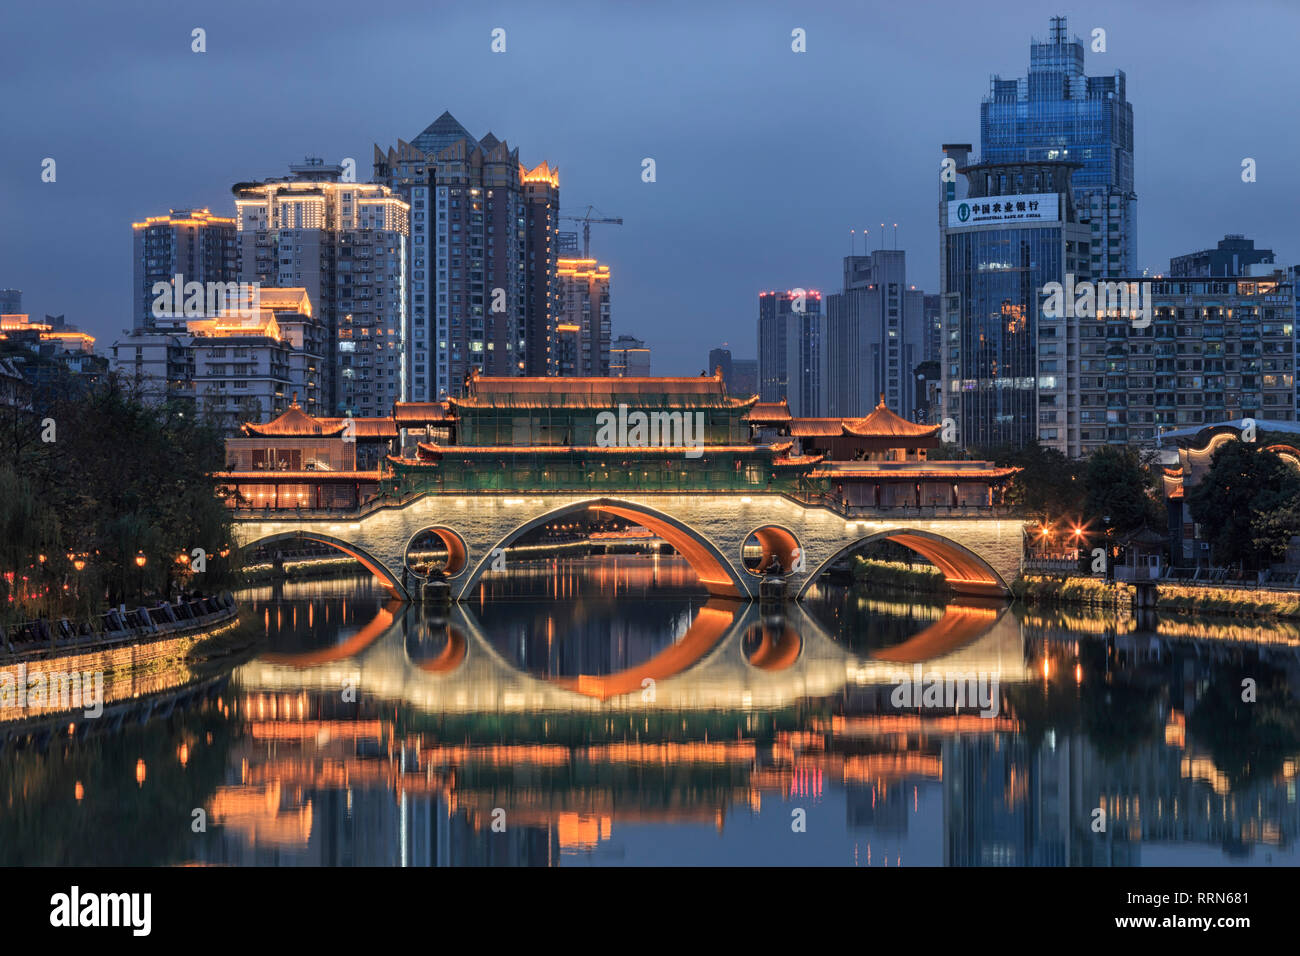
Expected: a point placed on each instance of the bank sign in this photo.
(1034, 207)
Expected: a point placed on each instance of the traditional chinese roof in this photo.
(769, 412)
(882, 423)
(605, 393)
(421, 413)
(916, 471)
(294, 423)
(364, 427)
(500, 451)
(816, 427)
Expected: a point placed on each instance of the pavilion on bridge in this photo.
(602, 435)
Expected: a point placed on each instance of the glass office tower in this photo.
(1058, 113)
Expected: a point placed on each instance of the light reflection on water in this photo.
(533, 699)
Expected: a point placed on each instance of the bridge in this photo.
(978, 556)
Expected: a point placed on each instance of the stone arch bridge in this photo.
(979, 556)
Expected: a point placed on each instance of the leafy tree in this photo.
(1120, 484)
(1248, 504)
(119, 478)
(1048, 482)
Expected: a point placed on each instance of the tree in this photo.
(119, 478)
(1248, 505)
(1047, 483)
(1120, 485)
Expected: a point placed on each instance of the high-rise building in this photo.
(932, 313)
(1005, 232)
(1234, 256)
(629, 358)
(721, 359)
(231, 366)
(739, 375)
(1059, 113)
(346, 244)
(1199, 351)
(484, 241)
(875, 337)
(11, 301)
(744, 378)
(191, 243)
(584, 317)
(791, 350)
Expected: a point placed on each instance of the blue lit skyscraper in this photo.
(1058, 113)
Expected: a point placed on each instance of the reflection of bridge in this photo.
(978, 556)
(727, 659)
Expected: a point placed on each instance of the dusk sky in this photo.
(765, 158)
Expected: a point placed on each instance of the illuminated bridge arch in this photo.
(367, 560)
(964, 570)
(715, 572)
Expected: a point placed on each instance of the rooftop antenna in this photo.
(895, 237)
(882, 237)
(853, 243)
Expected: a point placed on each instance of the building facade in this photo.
(875, 337)
(1006, 232)
(791, 349)
(229, 366)
(629, 357)
(191, 243)
(484, 240)
(1057, 112)
(1215, 349)
(584, 321)
(346, 244)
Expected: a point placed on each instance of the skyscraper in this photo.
(11, 301)
(629, 358)
(584, 315)
(875, 337)
(1010, 229)
(1059, 113)
(483, 290)
(791, 355)
(189, 242)
(346, 244)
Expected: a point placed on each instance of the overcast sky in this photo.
(765, 158)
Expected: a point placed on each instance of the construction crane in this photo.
(586, 221)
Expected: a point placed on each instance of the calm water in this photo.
(606, 711)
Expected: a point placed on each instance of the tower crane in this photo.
(586, 221)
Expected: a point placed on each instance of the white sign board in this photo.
(1032, 207)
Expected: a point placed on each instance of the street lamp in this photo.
(140, 561)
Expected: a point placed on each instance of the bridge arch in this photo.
(715, 572)
(365, 558)
(774, 541)
(965, 571)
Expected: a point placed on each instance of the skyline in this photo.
(716, 161)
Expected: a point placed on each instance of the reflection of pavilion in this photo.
(409, 774)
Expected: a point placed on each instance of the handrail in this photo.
(116, 625)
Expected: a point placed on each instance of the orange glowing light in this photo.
(140, 559)
(79, 791)
(139, 771)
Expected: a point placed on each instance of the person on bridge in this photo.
(775, 569)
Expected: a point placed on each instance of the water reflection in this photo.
(540, 708)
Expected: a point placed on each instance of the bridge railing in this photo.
(906, 511)
(115, 625)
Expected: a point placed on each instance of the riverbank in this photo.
(81, 680)
(1170, 596)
